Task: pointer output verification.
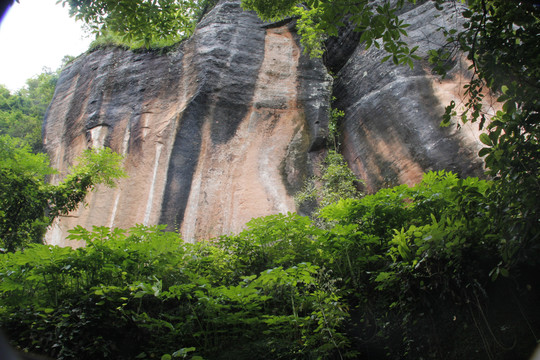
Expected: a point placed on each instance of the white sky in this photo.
(36, 34)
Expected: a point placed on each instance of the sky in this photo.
(35, 34)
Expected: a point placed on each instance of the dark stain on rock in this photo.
(183, 162)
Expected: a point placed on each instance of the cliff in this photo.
(391, 132)
(230, 124)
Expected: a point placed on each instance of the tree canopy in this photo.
(145, 21)
(22, 112)
(28, 204)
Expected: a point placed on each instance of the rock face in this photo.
(230, 124)
(391, 132)
(219, 131)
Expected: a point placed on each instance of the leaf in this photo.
(484, 138)
(384, 59)
(484, 151)
(503, 98)
(384, 276)
(183, 352)
(509, 106)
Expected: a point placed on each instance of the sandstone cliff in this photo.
(229, 125)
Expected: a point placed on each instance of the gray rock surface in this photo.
(391, 132)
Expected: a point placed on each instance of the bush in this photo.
(417, 272)
(148, 294)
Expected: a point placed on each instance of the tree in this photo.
(500, 38)
(319, 19)
(140, 20)
(28, 204)
(22, 112)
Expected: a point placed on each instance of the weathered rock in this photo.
(391, 132)
(229, 125)
(222, 130)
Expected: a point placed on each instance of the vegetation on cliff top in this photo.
(137, 24)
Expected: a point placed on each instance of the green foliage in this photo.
(271, 10)
(21, 113)
(15, 155)
(94, 167)
(140, 23)
(392, 272)
(339, 182)
(28, 204)
(336, 181)
(108, 38)
(22, 194)
(333, 127)
(146, 294)
(428, 260)
(102, 165)
(276, 240)
(500, 38)
(318, 20)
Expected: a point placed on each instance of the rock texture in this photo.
(391, 132)
(219, 131)
(229, 125)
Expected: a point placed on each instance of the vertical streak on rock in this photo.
(191, 215)
(278, 79)
(115, 208)
(168, 139)
(241, 179)
(118, 192)
(98, 135)
(159, 147)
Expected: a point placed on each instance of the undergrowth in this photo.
(407, 273)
